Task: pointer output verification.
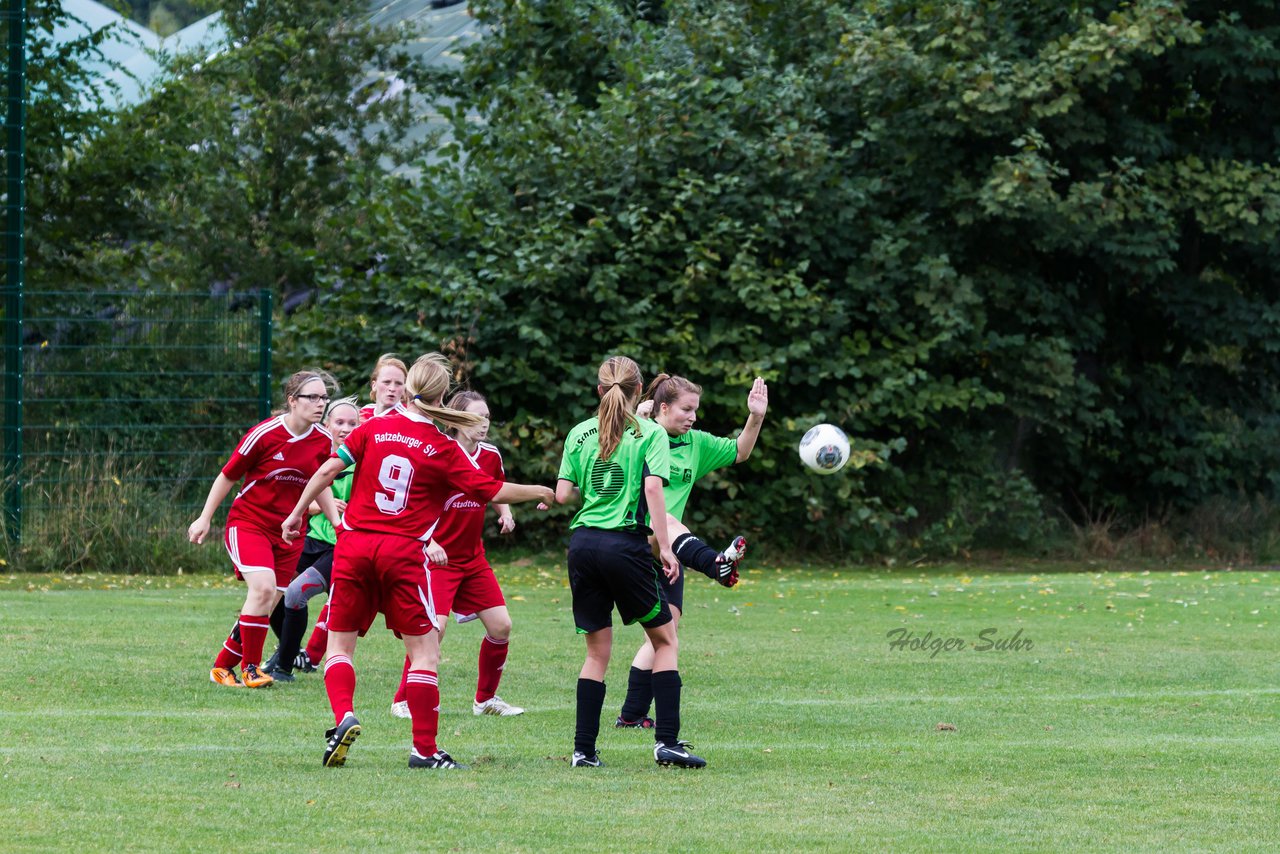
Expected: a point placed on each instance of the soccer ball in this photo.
(825, 448)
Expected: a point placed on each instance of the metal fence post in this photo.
(264, 354)
(15, 270)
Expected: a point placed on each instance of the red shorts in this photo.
(376, 572)
(466, 591)
(254, 550)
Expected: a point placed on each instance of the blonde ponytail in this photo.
(620, 387)
(426, 384)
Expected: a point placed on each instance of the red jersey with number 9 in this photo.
(405, 471)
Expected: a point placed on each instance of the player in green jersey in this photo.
(673, 403)
(619, 464)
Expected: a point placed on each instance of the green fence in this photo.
(128, 400)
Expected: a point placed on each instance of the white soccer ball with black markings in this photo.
(824, 448)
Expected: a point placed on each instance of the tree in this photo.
(244, 169)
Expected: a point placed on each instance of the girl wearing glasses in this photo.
(316, 564)
(275, 460)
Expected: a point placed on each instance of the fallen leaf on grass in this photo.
(945, 727)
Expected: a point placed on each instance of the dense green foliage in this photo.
(237, 173)
(1025, 251)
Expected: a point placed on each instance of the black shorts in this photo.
(608, 568)
(673, 589)
(317, 555)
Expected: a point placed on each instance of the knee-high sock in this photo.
(231, 652)
(493, 658)
(666, 706)
(590, 702)
(293, 627)
(253, 634)
(277, 618)
(402, 692)
(694, 553)
(319, 636)
(423, 694)
(639, 695)
(340, 685)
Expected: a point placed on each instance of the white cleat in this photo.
(400, 709)
(495, 705)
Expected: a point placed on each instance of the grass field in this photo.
(1143, 716)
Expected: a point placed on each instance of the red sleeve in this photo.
(470, 478)
(239, 463)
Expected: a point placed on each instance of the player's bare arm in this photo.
(199, 529)
(291, 528)
(757, 405)
(658, 519)
(518, 493)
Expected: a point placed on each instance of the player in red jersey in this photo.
(405, 471)
(461, 579)
(276, 459)
(386, 387)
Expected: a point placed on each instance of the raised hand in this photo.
(758, 397)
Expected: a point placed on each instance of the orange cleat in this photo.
(223, 676)
(254, 679)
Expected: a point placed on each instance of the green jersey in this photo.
(613, 490)
(693, 456)
(320, 528)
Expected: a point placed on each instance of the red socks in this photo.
(493, 657)
(340, 685)
(231, 652)
(401, 694)
(253, 634)
(424, 704)
(319, 637)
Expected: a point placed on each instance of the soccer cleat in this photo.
(644, 723)
(401, 709)
(272, 663)
(339, 741)
(278, 674)
(439, 759)
(582, 760)
(727, 561)
(253, 678)
(678, 756)
(495, 705)
(223, 676)
(302, 663)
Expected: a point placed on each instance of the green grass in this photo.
(1144, 717)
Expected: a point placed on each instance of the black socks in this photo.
(696, 554)
(590, 703)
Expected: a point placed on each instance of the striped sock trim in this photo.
(502, 642)
(422, 677)
(336, 661)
